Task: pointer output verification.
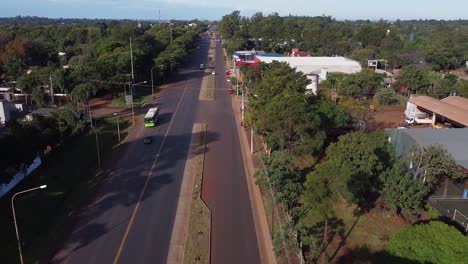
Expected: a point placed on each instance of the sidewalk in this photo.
(261, 225)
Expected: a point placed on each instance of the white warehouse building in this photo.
(317, 68)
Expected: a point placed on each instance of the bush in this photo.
(435, 242)
(386, 96)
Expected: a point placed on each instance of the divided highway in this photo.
(131, 219)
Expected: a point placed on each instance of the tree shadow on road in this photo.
(122, 189)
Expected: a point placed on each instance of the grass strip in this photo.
(197, 247)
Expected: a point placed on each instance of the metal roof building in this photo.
(453, 108)
(455, 140)
(457, 101)
(314, 65)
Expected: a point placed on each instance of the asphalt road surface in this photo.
(108, 230)
(103, 224)
(224, 182)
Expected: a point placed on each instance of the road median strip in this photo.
(190, 240)
(197, 249)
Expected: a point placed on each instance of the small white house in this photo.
(4, 112)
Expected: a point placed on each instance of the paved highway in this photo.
(103, 224)
(125, 225)
(225, 187)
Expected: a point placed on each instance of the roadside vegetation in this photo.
(339, 191)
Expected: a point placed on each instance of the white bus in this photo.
(151, 118)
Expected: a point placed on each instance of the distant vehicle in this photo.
(228, 72)
(218, 40)
(147, 140)
(213, 72)
(229, 79)
(202, 66)
(417, 121)
(198, 47)
(151, 118)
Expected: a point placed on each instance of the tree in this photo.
(462, 88)
(401, 191)
(26, 83)
(359, 159)
(68, 121)
(431, 163)
(414, 77)
(280, 106)
(229, 24)
(14, 67)
(83, 92)
(318, 195)
(38, 95)
(435, 242)
(360, 84)
(317, 208)
(285, 180)
(386, 96)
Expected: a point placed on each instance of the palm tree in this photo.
(26, 84)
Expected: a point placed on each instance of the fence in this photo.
(455, 209)
(5, 188)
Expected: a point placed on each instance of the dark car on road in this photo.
(147, 140)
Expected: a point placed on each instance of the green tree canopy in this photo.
(414, 77)
(285, 180)
(402, 191)
(435, 242)
(431, 163)
(359, 159)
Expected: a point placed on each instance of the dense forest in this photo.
(424, 50)
(441, 44)
(81, 61)
(80, 56)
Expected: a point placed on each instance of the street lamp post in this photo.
(133, 108)
(152, 82)
(242, 106)
(118, 127)
(162, 67)
(97, 148)
(172, 57)
(14, 218)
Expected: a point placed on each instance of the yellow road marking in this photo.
(137, 206)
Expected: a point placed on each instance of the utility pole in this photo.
(131, 60)
(97, 149)
(133, 107)
(170, 29)
(251, 140)
(118, 127)
(242, 106)
(237, 86)
(152, 82)
(51, 89)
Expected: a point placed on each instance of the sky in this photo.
(215, 9)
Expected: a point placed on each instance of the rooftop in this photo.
(455, 140)
(452, 108)
(45, 111)
(313, 65)
(457, 101)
